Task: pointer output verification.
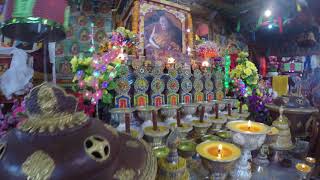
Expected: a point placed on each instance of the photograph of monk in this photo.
(162, 31)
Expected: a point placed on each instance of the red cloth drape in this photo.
(233, 63)
(263, 66)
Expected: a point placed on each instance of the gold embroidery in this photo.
(97, 147)
(51, 123)
(124, 174)
(50, 119)
(38, 166)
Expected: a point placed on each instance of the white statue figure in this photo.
(16, 80)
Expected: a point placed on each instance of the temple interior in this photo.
(160, 90)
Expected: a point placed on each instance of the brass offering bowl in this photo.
(145, 112)
(187, 149)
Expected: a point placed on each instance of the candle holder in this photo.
(145, 112)
(218, 158)
(173, 167)
(189, 110)
(169, 112)
(156, 138)
(303, 170)
(207, 107)
(250, 136)
(187, 149)
(221, 105)
(118, 115)
(217, 123)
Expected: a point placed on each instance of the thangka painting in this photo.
(163, 29)
(80, 34)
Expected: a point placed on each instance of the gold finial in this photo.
(281, 113)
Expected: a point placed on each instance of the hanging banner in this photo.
(280, 24)
(23, 8)
(66, 18)
(238, 26)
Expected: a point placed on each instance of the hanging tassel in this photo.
(307, 63)
(298, 7)
(66, 18)
(259, 22)
(254, 36)
(238, 26)
(280, 24)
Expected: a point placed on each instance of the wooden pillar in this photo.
(135, 16)
(190, 34)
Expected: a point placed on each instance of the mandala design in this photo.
(157, 72)
(123, 86)
(141, 85)
(208, 85)
(197, 74)
(173, 73)
(186, 85)
(218, 85)
(186, 73)
(157, 85)
(142, 71)
(136, 64)
(207, 75)
(123, 71)
(173, 85)
(198, 85)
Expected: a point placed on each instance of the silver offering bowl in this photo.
(156, 138)
(145, 112)
(169, 112)
(207, 107)
(118, 115)
(219, 168)
(189, 110)
(230, 101)
(221, 104)
(249, 141)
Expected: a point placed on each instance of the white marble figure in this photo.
(16, 80)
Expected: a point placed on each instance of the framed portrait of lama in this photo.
(163, 26)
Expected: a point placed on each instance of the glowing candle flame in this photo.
(249, 124)
(219, 151)
(205, 64)
(171, 60)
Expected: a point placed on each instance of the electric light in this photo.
(270, 26)
(267, 13)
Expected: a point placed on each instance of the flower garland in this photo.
(207, 50)
(94, 75)
(246, 71)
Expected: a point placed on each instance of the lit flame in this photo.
(205, 64)
(249, 124)
(171, 60)
(219, 151)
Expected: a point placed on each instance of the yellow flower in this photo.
(248, 72)
(74, 63)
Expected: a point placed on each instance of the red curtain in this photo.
(233, 63)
